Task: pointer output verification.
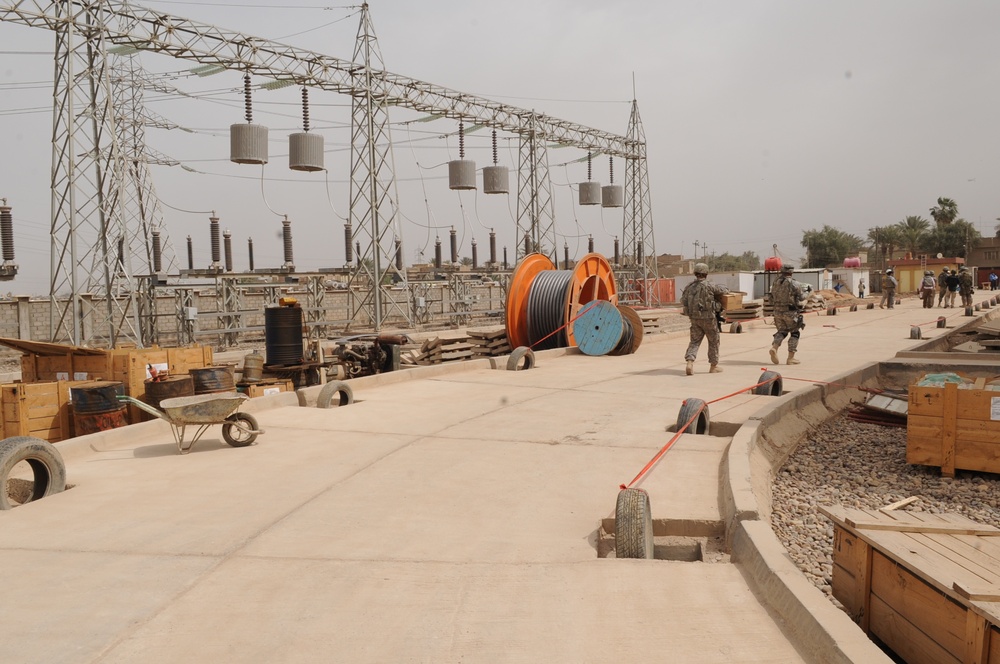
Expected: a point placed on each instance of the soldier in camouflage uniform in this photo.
(786, 296)
(700, 302)
(965, 286)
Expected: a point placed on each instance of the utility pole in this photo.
(696, 249)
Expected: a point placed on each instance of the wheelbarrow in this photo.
(204, 410)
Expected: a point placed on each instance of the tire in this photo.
(519, 353)
(233, 433)
(772, 389)
(46, 465)
(831, 311)
(914, 332)
(969, 311)
(736, 328)
(325, 398)
(701, 423)
(633, 525)
(871, 305)
(854, 307)
(942, 322)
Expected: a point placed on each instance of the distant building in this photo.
(985, 256)
(910, 271)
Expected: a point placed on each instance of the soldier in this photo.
(889, 284)
(786, 299)
(700, 302)
(942, 282)
(965, 285)
(927, 289)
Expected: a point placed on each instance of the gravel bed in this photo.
(863, 466)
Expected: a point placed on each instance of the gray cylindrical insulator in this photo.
(590, 244)
(250, 252)
(454, 245)
(7, 232)
(640, 257)
(496, 180)
(121, 254)
(286, 236)
(493, 248)
(527, 244)
(213, 226)
(227, 245)
(348, 247)
(505, 258)
(612, 196)
(618, 256)
(157, 252)
(305, 152)
(475, 256)
(248, 143)
(190, 253)
(565, 256)
(590, 193)
(437, 253)
(461, 174)
(357, 249)
(399, 254)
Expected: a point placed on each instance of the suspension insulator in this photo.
(348, 245)
(213, 225)
(227, 243)
(286, 236)
(157, 252)
(7, 233)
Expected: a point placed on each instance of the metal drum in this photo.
(96, 407)
(209, 380)
(168, 388)
(283, 336)
(253, 367)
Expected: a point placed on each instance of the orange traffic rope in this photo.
(663, 450)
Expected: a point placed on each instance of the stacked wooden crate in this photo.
(489, 342)
(40, 410)
(438, 350)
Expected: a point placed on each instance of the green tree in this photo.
(945, 211)
(954, 239)
(829, 246)
(911, 233)
(885, 240)
(746, 262)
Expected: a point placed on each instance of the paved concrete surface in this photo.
(452, 518)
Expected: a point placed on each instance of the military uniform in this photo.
(786, 294)
(965, 286)
(700, 301)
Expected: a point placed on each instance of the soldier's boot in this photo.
(774, 355)
(689, 369)
(791, 358)
(715, 369)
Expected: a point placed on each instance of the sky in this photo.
(763, 119)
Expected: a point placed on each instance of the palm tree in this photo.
(945, 212)
(912, 231)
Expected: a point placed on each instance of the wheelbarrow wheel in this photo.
(235, 430)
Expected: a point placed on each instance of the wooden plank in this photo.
(911, 527)
(993, 644)
(851, 574)
(976, 638)
(908, 642)
(939, 621)
(950, 430)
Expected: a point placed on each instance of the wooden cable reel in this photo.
(542, 299)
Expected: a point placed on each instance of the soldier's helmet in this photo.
(700, 268)
(787, 269)
(889, 271)
(962, 268)
(928, 273)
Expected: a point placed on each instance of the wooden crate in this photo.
(265, 388)
(953, 428)
(41, 410)
(731, 301)
(926, 585)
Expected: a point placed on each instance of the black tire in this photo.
(701, 423)
(325, 398)
(831, 311)
(871, 305)
(942, 322)
(46, 465)
(518, 354)
(854, 307)
(914, 332)
(969, 311)
(773, 388)
(633, 525)
(736, 328)
(233, 433)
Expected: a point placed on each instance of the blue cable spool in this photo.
(598, 329)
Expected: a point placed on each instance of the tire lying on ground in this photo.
(518, 354)
(633, 525)
(46, 465)
(701, 423)
(772, 388)
(325, 398)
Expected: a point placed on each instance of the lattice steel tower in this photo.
(637, 228)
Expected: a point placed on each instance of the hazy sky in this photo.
(762, 119)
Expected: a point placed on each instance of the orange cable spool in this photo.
(591, 279)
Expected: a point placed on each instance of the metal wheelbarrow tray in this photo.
(204, 410)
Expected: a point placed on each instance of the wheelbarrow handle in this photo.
(142, 405)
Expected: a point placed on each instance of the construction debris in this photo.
(881, 407)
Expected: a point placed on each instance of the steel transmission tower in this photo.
(373, 219)
(535, 209)
(90, 257)
(637, 230)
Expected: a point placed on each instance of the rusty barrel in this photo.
(209, 380)
(96, 407)
(253, 368)
(168, 388)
